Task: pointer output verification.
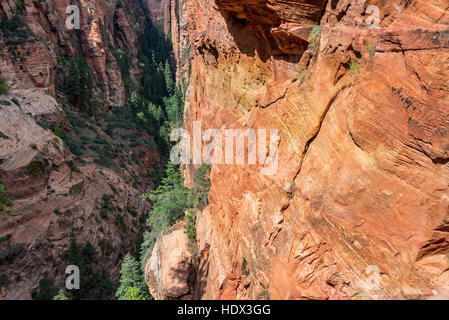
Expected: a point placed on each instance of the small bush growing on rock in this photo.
(58, 131)
(370, 46)
(314, 40)
(73, 166)
(3, 87)
(354, 68)
(35, 168)
(264, 295)
(190, 228)
(60, 296)
(6, 202)
(16, 31)
(77, 190)
(302, 75)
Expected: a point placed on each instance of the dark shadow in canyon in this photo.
(256, 39)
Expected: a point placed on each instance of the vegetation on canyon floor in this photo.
(173, 201)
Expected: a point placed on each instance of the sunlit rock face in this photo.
(359, 207)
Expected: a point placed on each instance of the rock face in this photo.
(170, 270)
(172, 16)
(29, 59)
(54, 198)
(359, 206)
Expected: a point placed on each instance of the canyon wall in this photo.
(359, 205)
(57, 193)
(172, 17)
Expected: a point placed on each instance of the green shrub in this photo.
(73, 144)
(35, 168)
(46, 290)
(354, 68)
(58, 131)
(302, 75)
(200, 192)
(190, 227)
(3, 87)
(16, 31)
(77, 190)
(264, 295)
(6, 202)
(73, 166)
(60, 296)
(20, 6)
(314, 40)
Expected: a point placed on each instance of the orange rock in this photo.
(364, 149)
(170, 271)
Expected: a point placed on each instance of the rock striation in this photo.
(359, 207)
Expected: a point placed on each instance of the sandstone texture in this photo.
(31, 61)
(359, 207)
(170, 271)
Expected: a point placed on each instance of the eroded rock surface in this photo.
(54, 197)
(170, 269)
(363, 171)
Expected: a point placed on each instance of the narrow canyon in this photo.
(358, 92)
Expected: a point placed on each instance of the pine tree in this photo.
(73, 83)
(170, 84)
(132, 278)
(175, 109)
(170, 199)
(61, 296)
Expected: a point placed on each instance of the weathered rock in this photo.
(170, 269)
(364, 149)
(52, 199)
(32, 62)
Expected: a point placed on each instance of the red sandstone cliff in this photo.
(363, 179)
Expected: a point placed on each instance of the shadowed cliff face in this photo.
(102, 25)
(362, 187)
